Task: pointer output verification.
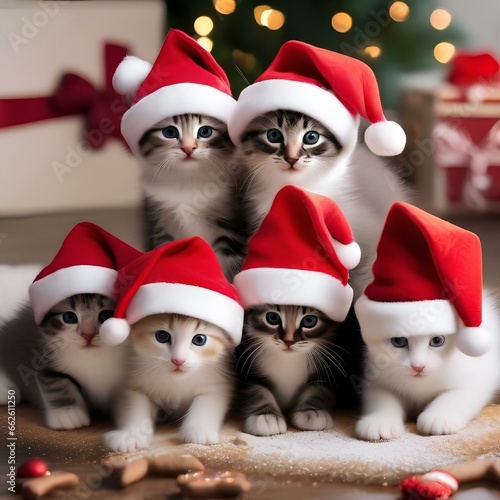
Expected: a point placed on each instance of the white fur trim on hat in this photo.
(318, 103)
(114, 331)
(379, 320)
(198, 302)
(264, 285)
(46, 292)
(348, 255)
(385, 138)
(130, 74)
(174, 100)
(442, 477)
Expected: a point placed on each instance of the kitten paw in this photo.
(67, 418)
(126, 441)
(312, 420)
(198, 435)
(377, 427)
(266, 424)
(439, 423)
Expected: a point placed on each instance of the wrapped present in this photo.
(454, 145)
(60, 142)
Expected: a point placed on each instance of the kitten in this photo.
(62, 366)
(181, 368)
(286, 147)
(291, 367)
(428, 379)
(189, 188)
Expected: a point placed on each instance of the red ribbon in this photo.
(102, 108)
(474, 68)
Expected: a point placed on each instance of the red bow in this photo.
(474, 68)
(102, 108)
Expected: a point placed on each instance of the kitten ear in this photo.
(130, 74)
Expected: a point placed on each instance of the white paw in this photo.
(199, 435)
(266, 424)
(377, 427)
(438, 423)
(66, 418)
(312, 420)
(127, 441)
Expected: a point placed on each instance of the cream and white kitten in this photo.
(181, 368)
(429, 379)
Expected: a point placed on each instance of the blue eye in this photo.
(274, 135)
(311, 137)
(199, 339)
(70, 317)
(399, 342)
(205, 132)
(273, 318)
(104, 315)
(170, 132)
(162, 336)
(437, 341)
(309, 321)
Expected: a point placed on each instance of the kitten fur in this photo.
(175, 380)
(189, 187)
(64, 368)
(362, 185)
(438, 385)
(293, 365)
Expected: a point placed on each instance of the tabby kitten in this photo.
(428, 379)
(181, 368)
(291, 367)
(286, 147)
(189, 187)
(62, 365)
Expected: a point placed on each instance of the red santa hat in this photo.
(185, 78)
(181, 277)
(332, 88)
(87, 262)
(427, 281)
(300, 255)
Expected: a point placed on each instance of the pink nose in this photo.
(418, 369)
(291, 160)
(87, 336)
(178, 362)
(188, 150)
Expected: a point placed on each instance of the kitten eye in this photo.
(199, 339)
(437, 341)
(399, 342)
(309, 321)
(205, 132)
(273, 318)
(311, 137)
(170, 132)
(274, 135)
(104, 315)
(70, 317)
(162, 336)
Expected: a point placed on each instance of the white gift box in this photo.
(48, 166)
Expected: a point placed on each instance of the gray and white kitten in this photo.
(427, 379)
(286, 147)
(62, 366)
(181, 369)
(189, 186)
(292, 368)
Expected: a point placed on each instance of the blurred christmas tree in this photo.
(393, 37)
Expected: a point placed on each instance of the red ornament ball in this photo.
(33, 467)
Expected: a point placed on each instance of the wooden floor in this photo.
(36, 239)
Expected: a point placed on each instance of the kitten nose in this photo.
(178, 362)
(88, 336)
(418, 369)
(292, 160)
(189, 149)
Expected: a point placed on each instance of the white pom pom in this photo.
(129, 75)
(114, 331)
(385, 138)
(474, 341)
(349, 255)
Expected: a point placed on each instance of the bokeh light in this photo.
(341, 22)
(444, 51)
(440, 19)
(203, 25)
(206, 43)
(225, 6)
(399, 11)
(372, 51)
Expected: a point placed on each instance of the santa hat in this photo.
(185, 78)
(427, 281)
(87, 262)
(181, 277)
(300, 255)
(332, 88)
